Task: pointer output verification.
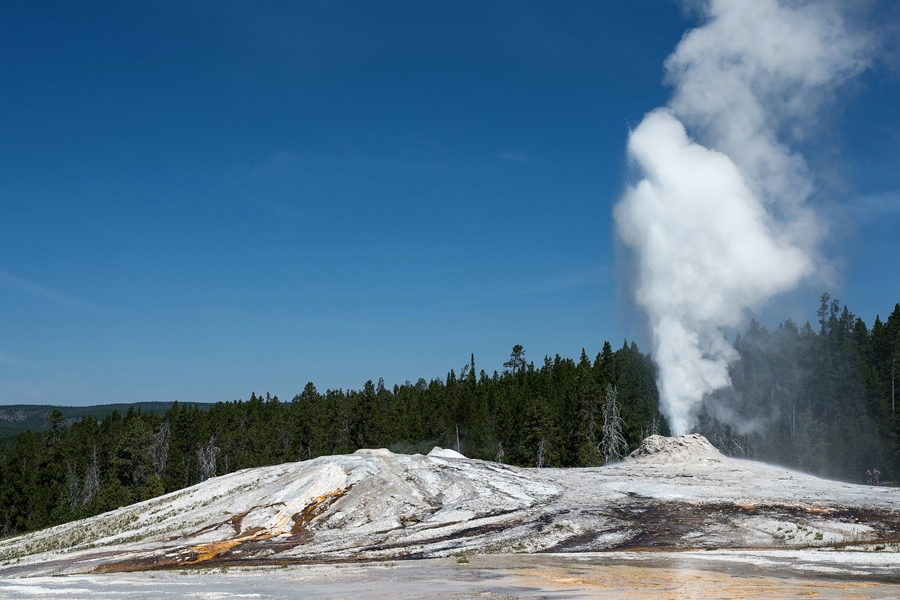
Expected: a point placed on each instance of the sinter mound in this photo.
(693, 448)
(373, 505)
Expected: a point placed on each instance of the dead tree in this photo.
(206, 460)
(91, 480)
(160, 450)
(591, 419)
(540, 453)
(72, 487)
(652, 428)
(613, 446)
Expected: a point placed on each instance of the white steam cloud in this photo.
(721, 224)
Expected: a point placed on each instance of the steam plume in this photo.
(721, 224)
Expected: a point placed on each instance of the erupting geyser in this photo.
(719, 223)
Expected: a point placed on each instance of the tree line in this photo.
(817, 399)
(551, 415)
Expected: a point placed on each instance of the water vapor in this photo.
(719, 221)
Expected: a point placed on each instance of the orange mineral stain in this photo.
(213, 549)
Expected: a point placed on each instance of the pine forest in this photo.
(819, 399)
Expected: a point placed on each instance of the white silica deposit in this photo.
(676, 493)
(693, 449)
(444, 453)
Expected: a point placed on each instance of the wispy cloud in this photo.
(874, 208)
(558, 283)
(274, 319)
(549, 285)
(33, 392)
(10, 361)
(459, 302)
(275, 206)
(284, 164)
(514, 156)
(38, 291)
(275, 164)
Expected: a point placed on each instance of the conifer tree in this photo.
(516, 360)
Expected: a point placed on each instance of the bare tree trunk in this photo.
(160, 451)
(613, 444)
(652, 428)
(206, 459)
(592, 414)
(72, 487)
(91, 481)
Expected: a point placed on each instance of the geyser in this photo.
(719, 221)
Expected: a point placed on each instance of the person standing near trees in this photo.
(869, 477)
(876, 477)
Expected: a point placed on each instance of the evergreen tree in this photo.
(516, 360)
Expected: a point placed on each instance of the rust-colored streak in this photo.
(213, 553)
(237, 519)
(647, 525)
(315, 508)
(213, 549)
(819, 510)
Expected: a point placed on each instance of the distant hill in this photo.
(18, 417)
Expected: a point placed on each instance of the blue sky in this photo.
(203, 199)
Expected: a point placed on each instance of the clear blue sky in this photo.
(203, 199)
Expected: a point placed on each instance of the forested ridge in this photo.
(16, 418)
(817, 399)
